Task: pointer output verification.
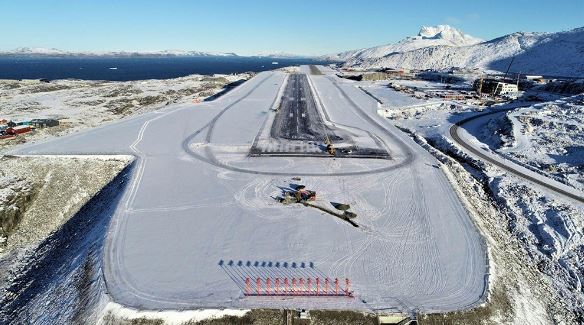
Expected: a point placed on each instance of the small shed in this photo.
(19, 129)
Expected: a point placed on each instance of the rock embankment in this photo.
(54, 212)
(15, 194)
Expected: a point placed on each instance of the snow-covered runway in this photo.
(197, 201)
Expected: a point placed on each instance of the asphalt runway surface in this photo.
(298, 118)
(298, 129)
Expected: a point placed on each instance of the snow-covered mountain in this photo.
(428, 36)
(34, 50)
(556, 54)
(37, 51)
(280, 54)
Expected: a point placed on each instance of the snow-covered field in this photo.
(387, 96)
(405, 107)
(80, 104)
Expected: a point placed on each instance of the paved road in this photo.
(198, 215)
(507, 165)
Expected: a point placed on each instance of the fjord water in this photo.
(136, 68)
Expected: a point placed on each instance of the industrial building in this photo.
(495, 87)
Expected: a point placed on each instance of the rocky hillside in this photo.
(556, 54)
(15, 192)
(54, 213)
(82, 104)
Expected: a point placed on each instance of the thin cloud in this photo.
(473, 17)
(453, 20)
(468, 18)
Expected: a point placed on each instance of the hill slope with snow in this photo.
(557, 54)
(428, 36)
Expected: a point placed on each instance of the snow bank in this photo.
(114, 311)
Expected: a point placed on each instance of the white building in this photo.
(504, 88)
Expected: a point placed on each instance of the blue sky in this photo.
(247, 27)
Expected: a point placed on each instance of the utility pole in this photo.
(481, 91)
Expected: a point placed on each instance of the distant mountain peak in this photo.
(37, 50)
(445, 32)
(428, 36)
(280, 54)
(433, 31)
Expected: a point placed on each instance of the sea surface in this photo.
(135, 68)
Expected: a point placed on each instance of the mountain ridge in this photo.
(548, 53)
(427, 36)
(40, 51)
